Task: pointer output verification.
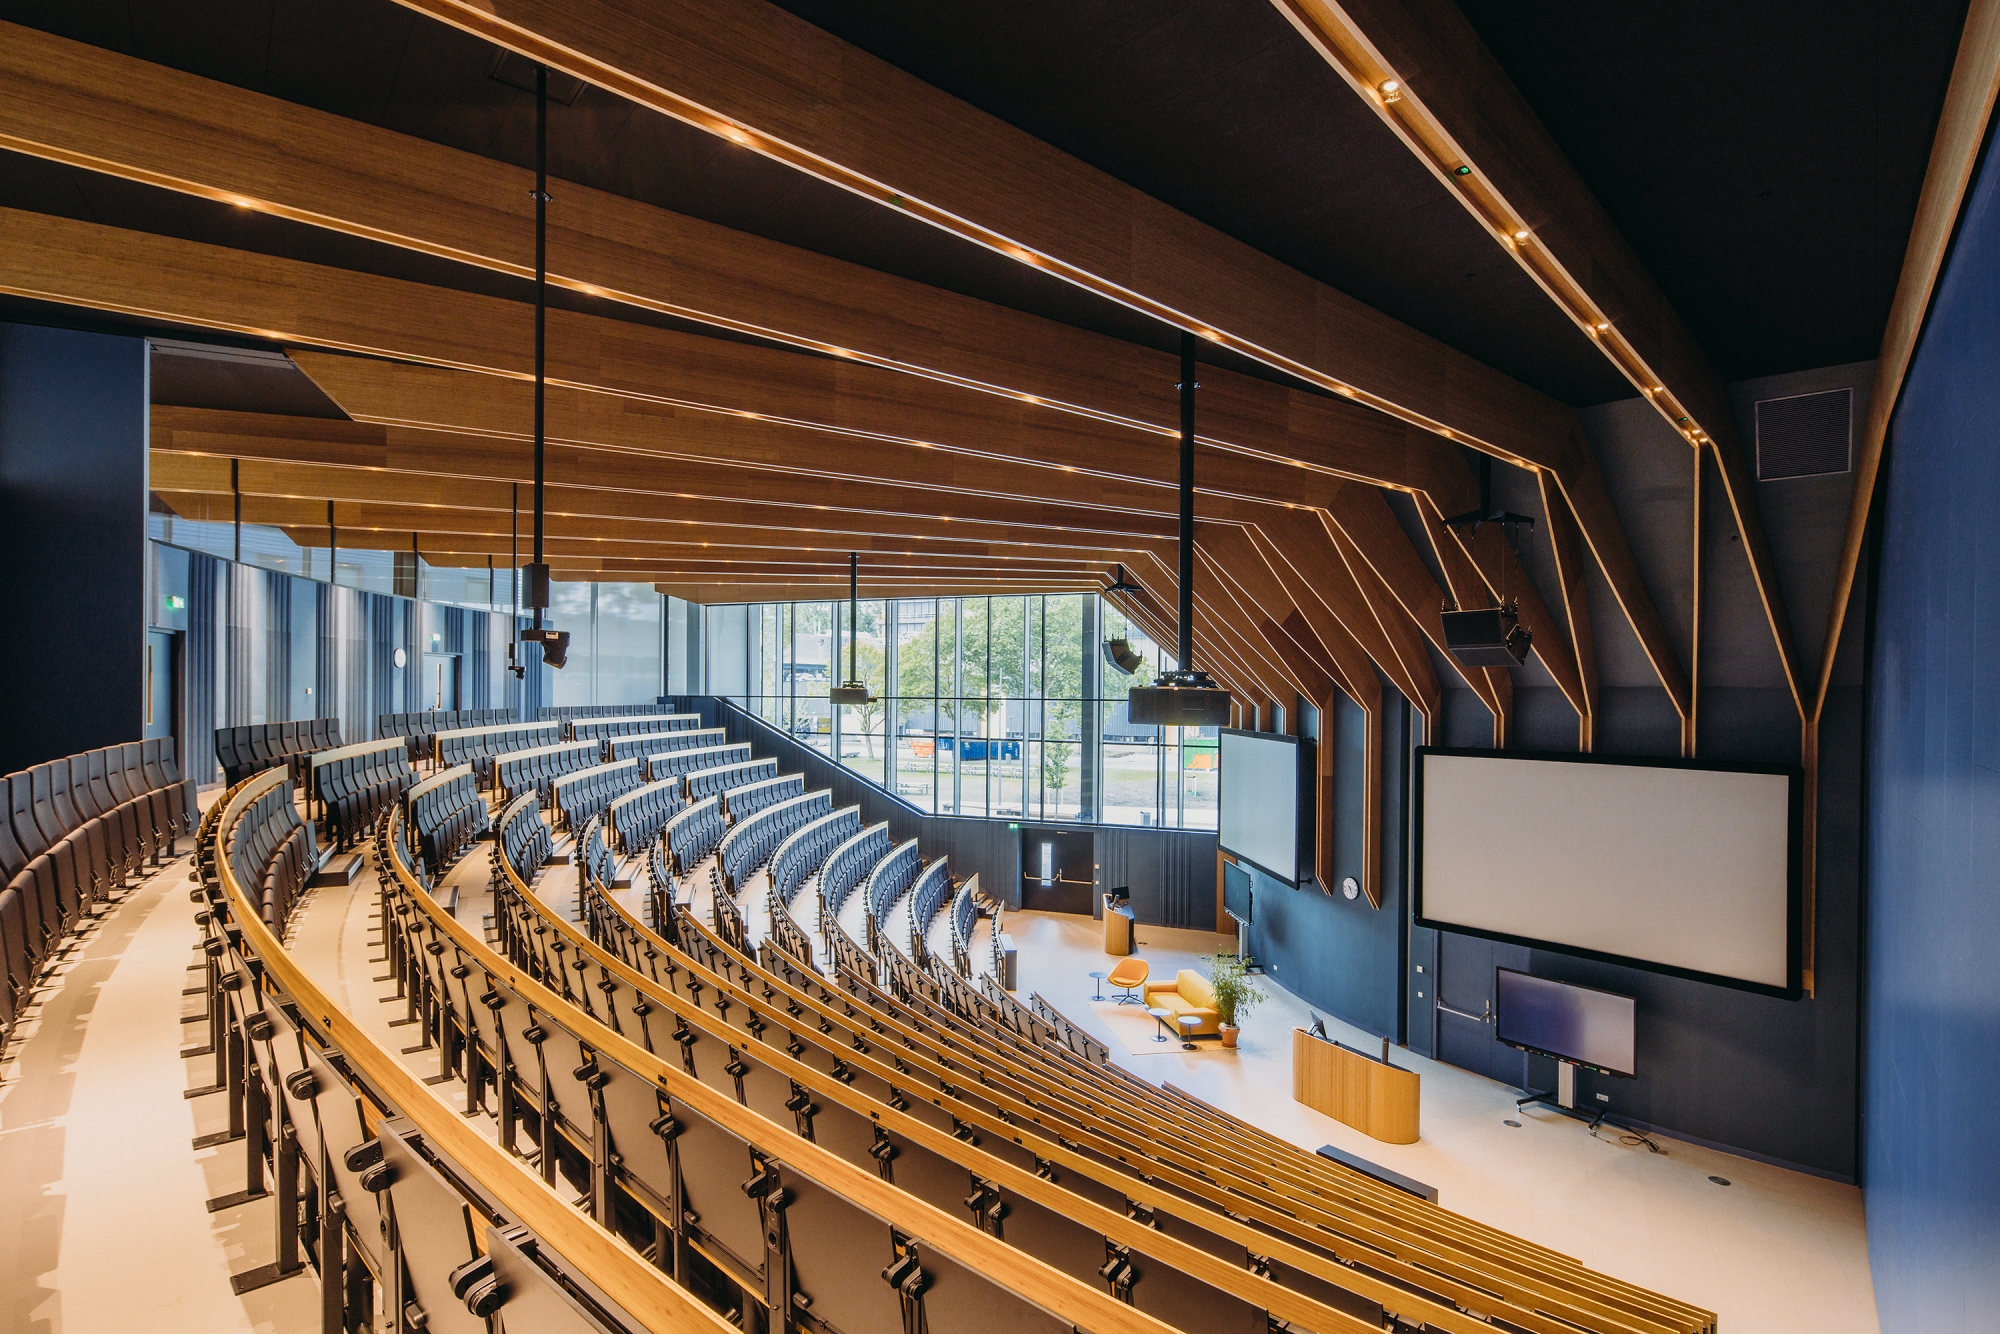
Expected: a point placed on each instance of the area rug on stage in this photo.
(1134, 1029)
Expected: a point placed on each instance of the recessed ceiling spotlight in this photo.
(1391, 90)
(1520, 236)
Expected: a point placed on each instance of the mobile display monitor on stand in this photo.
(1576, 1026)
(1236, 902)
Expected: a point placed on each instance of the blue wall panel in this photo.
(1931, 1111)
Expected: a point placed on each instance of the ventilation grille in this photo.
(1807, 435)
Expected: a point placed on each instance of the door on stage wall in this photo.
(1465, 1030)
(1058, 869)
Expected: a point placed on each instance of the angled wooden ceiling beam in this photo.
(1428, 77)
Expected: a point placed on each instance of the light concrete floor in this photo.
(104, 1227)
(1774, 1252)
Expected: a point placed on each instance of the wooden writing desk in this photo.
(1378, 1100)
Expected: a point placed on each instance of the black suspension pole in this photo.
(236, 491)
(538, 593)
(853, 614)
(1187, 387)
(332, 547)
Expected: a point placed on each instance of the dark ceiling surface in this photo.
(1763, 159)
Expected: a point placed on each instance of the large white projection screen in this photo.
(1260, 802)
(1686, 869)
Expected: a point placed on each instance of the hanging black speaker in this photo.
(1490, 637)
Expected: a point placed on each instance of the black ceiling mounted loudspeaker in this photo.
(1184, 697)
(1491, 637)
(1118, 652)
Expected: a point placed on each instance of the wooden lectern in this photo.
(1118, 926)
(1376, 1099)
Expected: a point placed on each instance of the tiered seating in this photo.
(243, 751)
(537, 768)
(446, 813)
(523, 839)
(751, 841)
(850, 865)
(694, 834)
(888, 882)
(802, 854)
(578, 798)
(927, 895)
(648, 724)
(71, 834)
(668, 764)
(477, 746)
(637, 818)
(746, 799)
(355, 784)
(594, 858)
(273, 853)
(659, 743)
(420, 728)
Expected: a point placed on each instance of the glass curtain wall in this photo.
(1000, 707)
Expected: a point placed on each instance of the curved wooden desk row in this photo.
(1061, 1141)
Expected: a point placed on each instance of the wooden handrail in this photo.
(623, 1275)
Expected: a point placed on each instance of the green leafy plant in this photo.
(1235, 994)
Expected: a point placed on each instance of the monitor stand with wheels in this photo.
(1564, 1097)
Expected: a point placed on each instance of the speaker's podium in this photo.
(1378, 1099)
(1119, 924)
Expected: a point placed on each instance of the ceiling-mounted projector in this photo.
(1179, 699)
(1491, 637)
(555, 645)
(1118, 652)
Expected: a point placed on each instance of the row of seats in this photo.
(638, 817)
(849, 865)
(565, 712)
(659, 743)
(927, 895)
(750, 842)
(674, 763)
(889, 882)
(594, 856)
(355, 784)
(652, 724)
(478, 745)
(694, 834)
(964, 916)
(274, 854)
(581, 797)
(799, 857)
(523, 839)
(75, 830)
(446, 813)
(537, 768)
(243, 751)
(418, 728)
(744, 799)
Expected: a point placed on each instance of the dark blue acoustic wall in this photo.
(73, 421)
(1931, 1110)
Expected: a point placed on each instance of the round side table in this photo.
(1189, 1023)
(1160, 1017)
(1097, 992)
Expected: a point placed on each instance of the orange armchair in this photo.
(1129, 976)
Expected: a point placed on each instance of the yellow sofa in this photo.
(1188, 993)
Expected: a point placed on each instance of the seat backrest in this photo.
(100, 784)
(81, 794)
(13, 857)
(149, 763)
(135, 767)
(58, 771)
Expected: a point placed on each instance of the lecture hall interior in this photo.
(868, 667)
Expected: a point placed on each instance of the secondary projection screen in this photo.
(1259, 820)
(1681, 868)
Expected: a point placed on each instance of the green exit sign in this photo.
(176, 603)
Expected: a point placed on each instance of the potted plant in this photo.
(1235, 994)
